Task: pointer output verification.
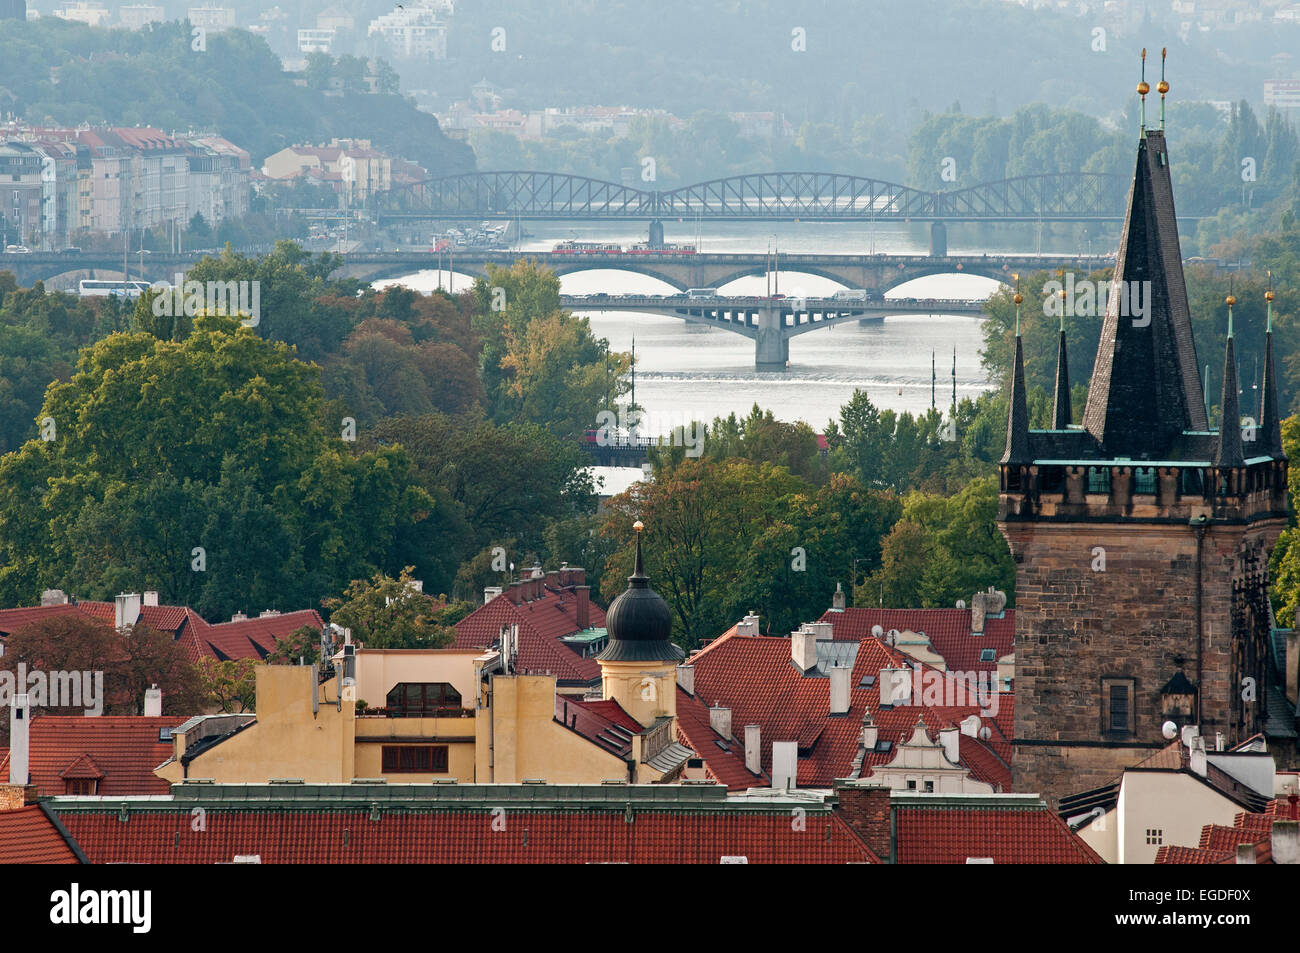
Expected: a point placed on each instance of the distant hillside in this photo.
(65, 73)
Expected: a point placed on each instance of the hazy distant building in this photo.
(137, 15)
(335, 18)
(413, 32)
(315, 41)
(212, 18)
(13, 9)
(83, 11)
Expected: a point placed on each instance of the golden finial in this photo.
(1143, 89)
(1017, 297)
(1230, 300)
(638, 526)
(1163, 87)
(1268, 295)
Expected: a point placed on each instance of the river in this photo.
(688, 372)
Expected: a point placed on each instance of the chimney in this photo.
(748, 625)
(865, 808)
(577, 576)
(151, 597)
(950, 738)
(895, 686)
(54, 597)
(126, 609)
(20, 714)
(490, 593)
(269, 613)
(720, 720)
(1245, 853)
(1285, 845)
(686, 678)
(837, 599)
(803, 649)
(238, 617)
(152, 702)
(870, 733)
(753, 748)
(971, 725)
(1196, 759)
(583, 606)
(785, 765)
(552, 579)
(841, 683)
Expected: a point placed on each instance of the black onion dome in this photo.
(639, 622)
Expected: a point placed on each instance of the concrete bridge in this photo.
(877, 273)
(769, 322)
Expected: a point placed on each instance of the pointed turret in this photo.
(1229, 453)
(1145, 387)
(1270, 426)
(1018, 415)
(1062, 414)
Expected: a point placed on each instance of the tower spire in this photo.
(1228, 454)
(1018, 413)
(1270, 427)
(1062, 413)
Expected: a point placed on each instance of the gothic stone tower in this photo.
(1141, 537)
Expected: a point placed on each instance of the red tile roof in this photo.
(726, 765)
(1009, 835)
(603, 723)
(754, 676)
(658, 836)
(31, 835)
(1219, 843)
(542, 623)
(123, 749)
(949, 632)
(248, 638)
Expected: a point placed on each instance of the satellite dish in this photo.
(986, 733)
(893, 637)
(1169, 730)
(961, 603)
(877, 631)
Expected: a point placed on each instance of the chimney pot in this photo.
(490, 593)
(1245, 853)
(803, 649)
(841, 693)
(837, 599)
(1285, 841)
(126, 609)
(785, 765)
(686, 678)
(753, 748)
(950, 738)
(20, 713)
(153, 702)
(719, 718)
(151, 597)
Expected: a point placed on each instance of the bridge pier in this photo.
(656, 234)
(938, 239)
(771, 346)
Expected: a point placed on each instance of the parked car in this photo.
(17, 250)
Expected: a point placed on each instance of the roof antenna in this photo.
(1143, 89)
(1163, 88)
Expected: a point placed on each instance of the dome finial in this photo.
(637, 571)
(1162, 86)
(1143, 89)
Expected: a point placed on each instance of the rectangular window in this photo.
(929, 786)
(1098, 479)
(1155, 835)
(1144, 480)
(1118, 700)
(415, 759)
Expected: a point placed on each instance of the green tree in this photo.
(388, 613)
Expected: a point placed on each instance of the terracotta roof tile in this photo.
(659, 836)
(726, 765)
(29, 835)
(1010, 835)
(124, 749)
(542, 623)
(949, 632)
